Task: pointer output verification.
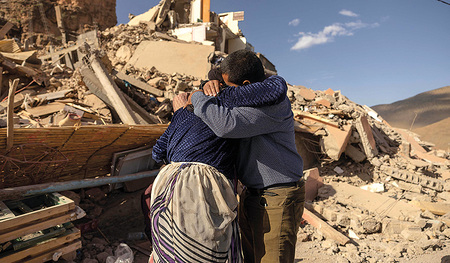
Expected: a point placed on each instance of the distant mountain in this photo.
(421, 111)
(437, 133)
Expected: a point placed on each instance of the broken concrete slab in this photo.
(335, 143)
(307, 94)
(365, 132)
(437, 208)
(376, 203)
(323, 102)
(189, 59)
(354, 153)
(150, 15)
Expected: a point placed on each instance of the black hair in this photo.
(243, 65)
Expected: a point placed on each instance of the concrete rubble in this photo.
(109, 75)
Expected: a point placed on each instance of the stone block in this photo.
(323, 102)
(313, 182)
(414, 233)
(335, 143)
(307, 94)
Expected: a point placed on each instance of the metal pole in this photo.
(30, 190)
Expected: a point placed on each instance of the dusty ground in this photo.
(122, 215)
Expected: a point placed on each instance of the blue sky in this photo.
(374, 51)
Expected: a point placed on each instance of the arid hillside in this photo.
(427, 113)
(437, 133)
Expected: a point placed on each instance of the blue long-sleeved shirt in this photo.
(189, 139)
(267, 154)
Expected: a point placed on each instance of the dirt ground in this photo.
(122, 215)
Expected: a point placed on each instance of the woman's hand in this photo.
(211, 88)
(179, 101)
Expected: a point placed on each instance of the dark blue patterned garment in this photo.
(189, 139)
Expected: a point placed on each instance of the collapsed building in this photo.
(83, 103)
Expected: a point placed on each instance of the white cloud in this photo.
(294, 22)
(329, 33)
(346, 12)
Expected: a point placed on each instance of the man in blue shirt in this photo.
(268, 164)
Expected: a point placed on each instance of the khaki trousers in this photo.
(269, 221)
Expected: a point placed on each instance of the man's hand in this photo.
(180, 101)
(211, 88)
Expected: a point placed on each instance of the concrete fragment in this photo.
(374, 188)
(150, 15)
(415, 188)
(435, 208)
(354, 153)
(313, 182)
(124, 53)
(329, 92)
(395, 227)
(336, 142)
(414, 234)
(307, 94)
(374, 202)
(338, 170)
(323, 102)
(365, 132)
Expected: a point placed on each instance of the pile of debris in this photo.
(379, 187)
(375, 186)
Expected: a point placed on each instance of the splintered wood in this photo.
(36, 229)
(89, 149)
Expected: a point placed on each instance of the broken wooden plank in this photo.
(54, 95)
(112, 92)
(5, 29)
(10, 123)
(139, 84)
(46, 109)
(46, 249)
(303, 114)
(59, 52)
(327, 230)
(60, 24)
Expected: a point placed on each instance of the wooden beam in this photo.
(10, 121)
(327, 230)
(113, 93)
(308, 115)
(1, 82)
(5, 29)
(58, 53)
(206, 6)
(60, 23)
(46, 249)
(139, 84)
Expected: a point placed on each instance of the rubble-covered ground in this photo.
(378, 194)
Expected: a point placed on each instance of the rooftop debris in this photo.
(98, 93)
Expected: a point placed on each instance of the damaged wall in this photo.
(27, 15)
